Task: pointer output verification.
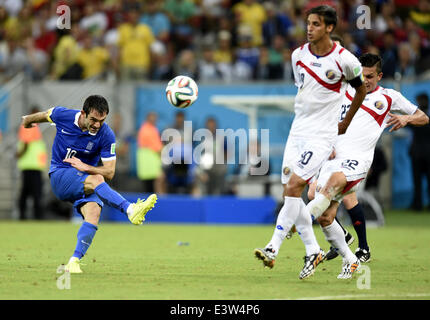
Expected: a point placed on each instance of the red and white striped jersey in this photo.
(321, 82)
(369, 122)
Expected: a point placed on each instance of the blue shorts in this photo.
(68, 185)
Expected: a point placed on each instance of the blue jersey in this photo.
(71, 141)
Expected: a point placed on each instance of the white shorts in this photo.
(355, 170)
(304, 157)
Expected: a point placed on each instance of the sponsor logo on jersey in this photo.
(379, 105)
(112, 148)
(330, 74)
(316, 64)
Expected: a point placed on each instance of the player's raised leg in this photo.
(332, 253)
(135, 211)
(330, 188)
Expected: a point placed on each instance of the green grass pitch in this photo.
(146, 262)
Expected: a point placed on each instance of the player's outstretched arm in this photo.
(397, 121)
(38, 117)
(360, 94)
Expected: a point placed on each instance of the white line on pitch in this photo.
(347, 296)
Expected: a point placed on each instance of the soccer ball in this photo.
(182, 91)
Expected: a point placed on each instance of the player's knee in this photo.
(93, 181)
(335, 185)
(98, 179)
(294, 187)
(350, 201)
(325, 220)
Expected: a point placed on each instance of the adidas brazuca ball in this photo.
(182, 91)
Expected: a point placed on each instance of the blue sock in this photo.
(111, 197)
(359, 223)
(86, 234)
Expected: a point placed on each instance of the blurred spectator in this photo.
(211, 12)
(180, 13)
(123, 139)
(383, 17)
(180, 175)
(252, 14)
(13, 7)
(149, 155)
(17, 59)
(162, 68)
(135, 41)
(288, 69)
(178, 165)
(38, 60)
(65, 66)
(421, 53)
(3, 19)
(277, 23)
(224, 55)
(94, 21)
(419, 152)
(298, 30)
(247, 56)
(207, 67)
(179, 126)
(156, 19)
(421, 14)
(111, 45)
(32, 160)
(405, 66)
(348, 43)
(389, 54)
(212, 167)
(44, 39)
(186, 64)
(257, 160)
(92, 58)
(49, 15)
(272, 60)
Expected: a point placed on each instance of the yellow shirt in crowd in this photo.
(93, 61)
(135, 43)
(254, 16)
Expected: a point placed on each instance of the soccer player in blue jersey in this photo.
(83, 139)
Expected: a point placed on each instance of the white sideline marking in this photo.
(347, 296)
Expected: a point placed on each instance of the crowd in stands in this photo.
(209, 40)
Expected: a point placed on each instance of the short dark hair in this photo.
(369, 60)
(335, 37)
(96, 102)
(328, 14)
